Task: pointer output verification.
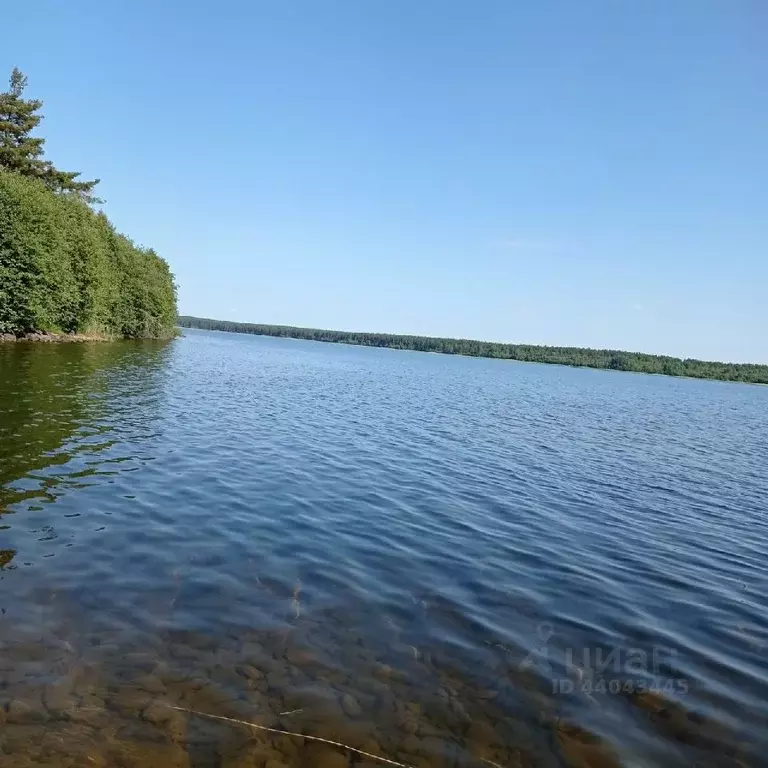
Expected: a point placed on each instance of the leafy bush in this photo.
(63, 267)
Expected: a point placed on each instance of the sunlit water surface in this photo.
(438, 560)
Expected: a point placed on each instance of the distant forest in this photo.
(575, 356)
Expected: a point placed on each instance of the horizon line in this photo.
(475, 341)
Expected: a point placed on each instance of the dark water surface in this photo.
(439, 560)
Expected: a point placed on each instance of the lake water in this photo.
(438, 560)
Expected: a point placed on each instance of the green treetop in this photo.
(22, 153)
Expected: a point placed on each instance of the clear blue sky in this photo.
(591, 173)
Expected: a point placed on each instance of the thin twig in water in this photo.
(290, 712)
(299, 735)
(296, 602)
(504, 647)
(490, 762)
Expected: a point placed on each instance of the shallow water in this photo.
(439, 560)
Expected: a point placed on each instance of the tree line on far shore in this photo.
(573, 356)
(63, 266)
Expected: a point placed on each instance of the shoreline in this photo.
(573, 357)
(49, 337)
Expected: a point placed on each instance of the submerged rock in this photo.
(350, 705)
(129, 701)
(158, 713)
(151, 684)
(322, 756)
(24, 711)
(58, 697)
(250, 672)
(166, 717)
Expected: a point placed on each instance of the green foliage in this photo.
(575, 356)
(63, 267)
(21, 153)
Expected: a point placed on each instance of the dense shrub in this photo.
(63, 267)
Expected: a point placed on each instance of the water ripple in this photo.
(443, 553)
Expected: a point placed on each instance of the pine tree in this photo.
(22, 153)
